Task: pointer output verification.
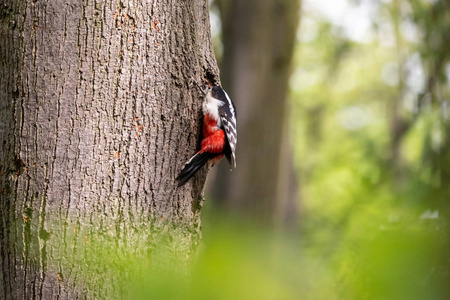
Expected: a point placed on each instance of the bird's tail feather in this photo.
(193, 165)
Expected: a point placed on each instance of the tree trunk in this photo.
(100, 110)
(259, 38)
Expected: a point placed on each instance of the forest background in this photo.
(369, 133)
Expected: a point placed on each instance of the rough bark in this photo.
(259, 38)
(99, 111)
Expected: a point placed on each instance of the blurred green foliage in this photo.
(239, 259)
(371, 133)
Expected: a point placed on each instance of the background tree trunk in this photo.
(97, 99)
(259, 38)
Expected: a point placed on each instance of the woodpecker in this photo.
(219, 134)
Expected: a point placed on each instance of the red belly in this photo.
(213, 136)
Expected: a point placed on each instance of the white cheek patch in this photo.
(211, 107)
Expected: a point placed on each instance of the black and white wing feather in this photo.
(227, 113)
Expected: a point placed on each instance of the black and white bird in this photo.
(219, 134)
